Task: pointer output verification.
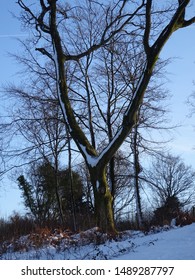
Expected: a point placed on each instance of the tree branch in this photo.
(103, 41)
(176, 22)
(44, 52)
(147, 27)
(76, 132)
(130, 115)
(188, 22)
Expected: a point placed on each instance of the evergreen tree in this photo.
(39, 193)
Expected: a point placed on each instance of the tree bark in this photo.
(103, 200)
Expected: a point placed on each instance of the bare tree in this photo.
(170, 177)
(37, 120)
(50, 20)
(115, 84)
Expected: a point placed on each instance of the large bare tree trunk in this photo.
(103, 200)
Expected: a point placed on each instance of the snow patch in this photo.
(97, 185)
(92, 161)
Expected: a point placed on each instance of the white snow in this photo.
(97, 185)
(92, 161)
(177, 243)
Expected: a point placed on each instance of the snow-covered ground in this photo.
(177, 243)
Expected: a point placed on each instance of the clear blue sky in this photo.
(9, 30)
(181, 76)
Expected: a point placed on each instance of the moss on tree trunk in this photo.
(103, 201)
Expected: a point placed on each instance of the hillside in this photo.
(167, 243)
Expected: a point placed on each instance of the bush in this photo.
(168, 211)
(15, 227)
(184, 219)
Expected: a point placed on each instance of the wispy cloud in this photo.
(12, 35)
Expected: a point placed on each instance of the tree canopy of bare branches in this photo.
(72, 34)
